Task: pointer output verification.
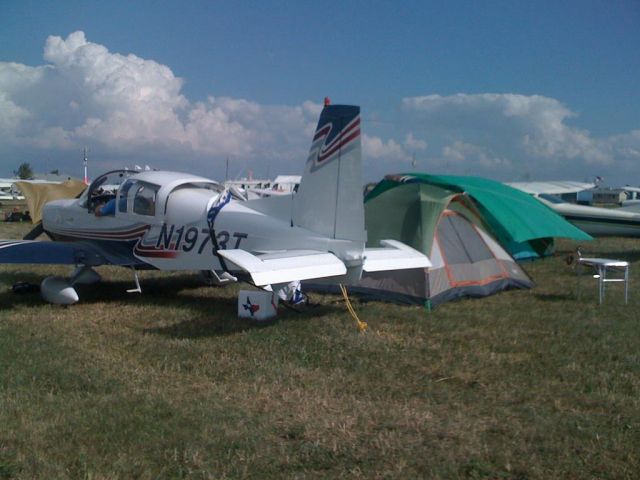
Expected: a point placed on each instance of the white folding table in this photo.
(608, 270)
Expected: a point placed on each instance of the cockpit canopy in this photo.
(104, 188)
(143, 193)
(551, 198)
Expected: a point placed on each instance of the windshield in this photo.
(104, 188)
(551, 198)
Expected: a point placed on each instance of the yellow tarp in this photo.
(37, 194)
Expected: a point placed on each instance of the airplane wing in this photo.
(396, 256)
(291, 265)
(631, 208)
(287, 266)
(36, 252)
(552, 188)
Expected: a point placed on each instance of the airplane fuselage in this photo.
(177, 236)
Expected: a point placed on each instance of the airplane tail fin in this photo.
(329, 200)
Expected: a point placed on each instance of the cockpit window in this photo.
(104, 188)
(144, 202)
(551, 198)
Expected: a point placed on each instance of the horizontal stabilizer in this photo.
(32, 251)
(395, 256)
(286, 266)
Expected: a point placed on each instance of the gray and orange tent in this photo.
(466, 226)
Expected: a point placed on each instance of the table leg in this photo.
(579, 271)
(601, 280)
(626, 284)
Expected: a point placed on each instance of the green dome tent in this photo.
(460, 223)
(522, 224)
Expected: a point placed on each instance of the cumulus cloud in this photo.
(87, 93)
(125, 105)
(132, 110)
(625, 149)
(412, 143)
(504, 135)
(376, 148)
(460, 152)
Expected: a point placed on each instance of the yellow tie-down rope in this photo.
(361, 325)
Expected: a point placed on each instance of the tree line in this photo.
(25, 172)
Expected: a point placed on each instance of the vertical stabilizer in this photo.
(329, 200)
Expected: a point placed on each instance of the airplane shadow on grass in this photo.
(214, 312)
(219, 316)
(227, 324)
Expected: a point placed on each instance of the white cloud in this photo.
(125, 98)
(510, 133)
(376, 148)
(626, 151)
(124, 105)
(12, 116)
(412, 143)
(129, 109)
(127, 106)
(15, 83)
(465, 153)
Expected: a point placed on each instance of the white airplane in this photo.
(8, 190)
(596, 221)
(174, 221)
(552, 187)
(252, 189)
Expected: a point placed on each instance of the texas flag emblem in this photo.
(251, 307)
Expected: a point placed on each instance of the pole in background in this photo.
(86, 173)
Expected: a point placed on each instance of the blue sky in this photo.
(509, 90)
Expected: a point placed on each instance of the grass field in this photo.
(169, 384)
